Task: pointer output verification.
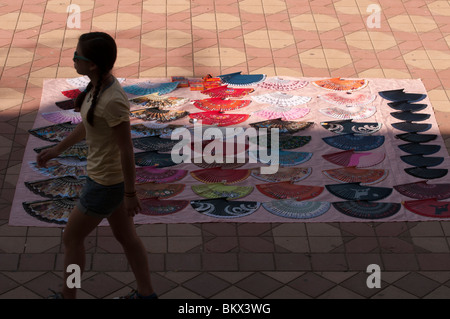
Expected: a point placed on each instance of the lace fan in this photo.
(281, 99)
(341, 85)
(282, 190)
(424, 190)
(284, 114)
(348, 99)
(294, 209)
(367, 210)
(358, 160)
(354, 175)
(352, 112)
(282, 85)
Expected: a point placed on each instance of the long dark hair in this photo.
(101, 49)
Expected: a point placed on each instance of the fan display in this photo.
(356, 191)
(429, 207)
(282, 190)
(353, 174)
(341, 85)
(224, 92)
(153, 158)
(58, 187)
(358, 160)
(416, 137)
(422, 161)
(355, 142)
(348, 99)
(294, 209)
(281, 99)
(220, 190)
(221, 105)
(158, 101)
(218, 118)
(159, 175)
(367, 210)
(348, 126)
(280, 112)
(351, 112)
(239, 79)
(158, 190)
(223, 208)
(154, 143)
(158, 115)
(399, 95)
(159, 207)
(79, 150)
(423, 149)
(146, 88)
(282, 126)
(220, 175)
(284, 158)
(50, 210)
(58, 167)
(282, 85)
(283, 174)
(63, 116)
(53, 133)
(410, 116)
(424, 190)
(285, 141)
(411, 127)
(426, 173)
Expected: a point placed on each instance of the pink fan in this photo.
(351, 158)
(285, 115)
(63, 116)
(158, 175)
(352, 112)
(348, 99)
(279, 84)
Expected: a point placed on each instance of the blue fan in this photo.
(355, 142)
(239, 79)
(140, 89)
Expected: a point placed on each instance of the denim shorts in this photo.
(99, 200)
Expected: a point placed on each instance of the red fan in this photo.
(283, 190)
(71, 94)
(429, 207)
(338, 84)
(219, 175)
(218, 118)
(217, 104)
(224, 92)
(350, 158)
(353, 175)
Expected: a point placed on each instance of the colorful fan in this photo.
(294, 209)
(281, 99)
(155, 100)
(149, 88)
(153, 129)
(401, 95)
(423, 149)
(224, 92)
(367, 210)
(66, 104)
(79, 150)
(285, 141)
(354, 175)
(222, 208)
(59, 187)
(217, 104)
(157, 207)
(356, 191)
(53, 133)
(159, 175)
(405, 106)
(284, 158)
(153, 158)
(341, 85)
(282, 85)
(158, 190)
(426, 173)
(154, 143)
(51, 210)
(285, 115)
(71, 94)
(62, 167)
(219, 190)
(348, 126)
(239, 79)
(282, 126)
(63, 116)
(218, 118)
(429, 207)
(349, 99)
(161, 116)
(358, 160)
(416, 138)
(220, 175)
(410, 116)
(411, 127)
(423, 190)
(282, 190)
(355, 142)
(227, 163)
(420, 160)
(284, 174)
(352, 112)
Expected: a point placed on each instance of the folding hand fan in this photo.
(149, 88)
(282, 85)
(217, 104)
(224, 92)
(359, 160)
(66, 104)
(356, 191)
(284, 114)
(284, 158)
(401, 95)
(161, 116)
(153, 158)
(282, 190)
(341, 85)
(154, 143)
(416, 138)
(367, 210)
(423, 190)
(159, 175)
(429, 207)
(421, 149)
(282, 126)
(79, 150)
(406, 106)
(352, 112)
(348, 99)
(219, 175)
(59, 187)
(219, 147)
(63, 116)
(410, 116)
(53, 133)
(51, 210)
(353, 174)
(71, 94)
(411, 127)
(155, 100)
(348, 126)
(239, 79)
(284, 174)
(285, 141)
(281, 99)
(152, 129)
(420, 160)
(426, 173)
(158, 207)
(355, 142)
(218, 118)
(62, 167)
(219, 190)
(227, 163)
(158, 190)
(222, 208)
(294, 209)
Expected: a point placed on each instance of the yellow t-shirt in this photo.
(103, 161)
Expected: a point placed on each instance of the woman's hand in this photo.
(45, 155)
(132, 205)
